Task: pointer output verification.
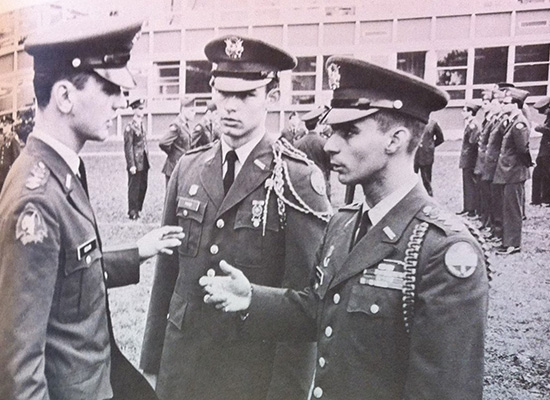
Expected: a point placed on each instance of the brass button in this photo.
(220, 223)
(374, 308)
(105, 275)
(322, 362)
(185, 213)
(214, 249)
(336, 298)
(328, 331)
(88, 259)
(318, 392)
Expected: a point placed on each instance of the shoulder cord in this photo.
(411, 261)
(484, 246)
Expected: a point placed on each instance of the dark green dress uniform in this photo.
(540, 193)
(424, 158)
(467, 162)
(10, 148)
(175, 143)
(55, 328)
(512, 171)
(137, 155)
(202, 356)
(355, 307)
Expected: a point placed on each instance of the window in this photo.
(531, 66)
(413, 62)
(167, 42)
(416, 29)
(6, 63)
(168, 79)
(376, 32)
(339, 34)
(197, 76)
(303, 35)
(6, 99)
(452, 71)
(303, 80)
(490, 65)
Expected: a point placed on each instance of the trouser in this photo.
(485, 201)
(469, 190)
(426, 175)
(137, 187)
(540, 192)
(512, 202)
(496, 208)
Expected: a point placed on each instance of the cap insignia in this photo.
(76, 62)
(31, 227)
(333, 71)
(397, 104)
(234, 47)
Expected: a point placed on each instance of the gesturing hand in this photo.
(229, 293)
(159, 240)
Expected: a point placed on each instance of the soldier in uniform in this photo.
(512, 170)
(399, 302)
(250, 199)
(137, 159)
(177, 140)
(468, 157)
(207, 129)
(312, 143)
(424, 158)
(295, 129)
(10, 148)
(541, 173)
(56, 336)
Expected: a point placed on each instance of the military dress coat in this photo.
(9, 151)
(195, 348)
(354, 309)
(135, 146)
(56, 339)
(175, 143)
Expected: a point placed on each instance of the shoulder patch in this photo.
(31, 227)
(461, 259)
(38, 176)
(202, 148)
(520, 125)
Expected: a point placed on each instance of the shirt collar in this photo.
(242, 152)
(68, 155)
(384, 206)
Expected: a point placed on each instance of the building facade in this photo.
(462, 46)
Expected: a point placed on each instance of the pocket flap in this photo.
(375, 302)
(76, 259)
(191, 208)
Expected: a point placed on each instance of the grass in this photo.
(517, 345)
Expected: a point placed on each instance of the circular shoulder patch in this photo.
(520, 125)
(318, 182)
(31, 227)
(461, 259)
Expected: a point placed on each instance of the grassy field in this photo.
(518, 346)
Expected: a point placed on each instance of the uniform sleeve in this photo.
(166, 141)
(447, 334)
(166, 273)
(121, 265)
(30, 248)
(438, 135)
(128, 147)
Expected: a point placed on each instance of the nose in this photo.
(230, 102)
(331, 145)
(119, 101)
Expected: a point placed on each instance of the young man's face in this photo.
(357, 151)
(466, 113)
(241, 114)
(95, 108)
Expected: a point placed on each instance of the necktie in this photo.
(364, 226)
(231, 159)
(82, 176)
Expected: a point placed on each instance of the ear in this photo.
(398, 138)
(61, 96)
(273, 96)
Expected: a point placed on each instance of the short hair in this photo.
(273, 84)
(43, 83)
(388, 119)
(519, 102)
(473, 111)
(311, 123)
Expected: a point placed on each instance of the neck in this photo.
(57, 126)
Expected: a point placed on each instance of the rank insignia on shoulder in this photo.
(38, 176)
(318, 182)
(461, 260)
(31, 227)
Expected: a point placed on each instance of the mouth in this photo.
(230, 122)
(336, 167)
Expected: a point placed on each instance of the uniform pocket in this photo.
(176, 312)
(190, 213)
(375, 302)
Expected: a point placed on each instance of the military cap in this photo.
(361, 89)
(542, 103)
(317, 113)
(136, 103)
(472, 106)
(210, 106)
(187, 102)
(516, 93)
(86, 44)
(505, 85)
(242, 64)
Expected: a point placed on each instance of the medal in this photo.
(257, 211)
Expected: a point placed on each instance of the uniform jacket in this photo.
(175, 143)
(468, 153)
(55, 331)
(202, 343)
(486, 128)
(544, 148)
(514, 160)
(293, 134)
(431, 138)
(135, 146)
(494, 144)
(206, 131)
(312, 145)
(364, 352)
(9, 151)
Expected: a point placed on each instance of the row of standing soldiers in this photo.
(495, 161)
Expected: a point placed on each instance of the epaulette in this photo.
(287, 149)
(441, 218)
(38, 176)
(202, 148)
(351, 207)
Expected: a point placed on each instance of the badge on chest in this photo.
(389, 274)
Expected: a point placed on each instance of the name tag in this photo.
(86, 248)
(190, 204)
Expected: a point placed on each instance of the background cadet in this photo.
(10, 148)
(208, 128)
(379, 335)
(56, 337)
(137, 159)
(468, 158)
(250, 199)
(177, 140)
(513, 170)
(424, 158)
(295, 129)
(312, 143)
(540, 193)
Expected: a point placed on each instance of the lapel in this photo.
(253, 173)
(76, 196)
(382, 239)
(211, 175)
